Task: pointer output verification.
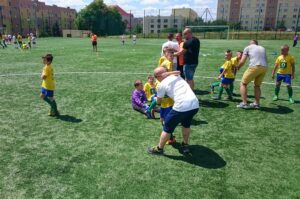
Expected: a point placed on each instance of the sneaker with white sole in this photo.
(254, 105)
(242, 105)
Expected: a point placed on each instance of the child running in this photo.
(226, 76)
(285, 67)
(48, 85)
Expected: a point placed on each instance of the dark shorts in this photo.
(175, 117)
(164, 112)
(94, 43)
(189, 71)
(227, 81)
(47, 93)
(286, 78)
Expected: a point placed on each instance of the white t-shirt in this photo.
(178, 90)
(257, 55)
(172, 45)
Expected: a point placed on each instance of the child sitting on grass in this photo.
(285, 67)
(139, 100)
(150, 88)
(226, 77)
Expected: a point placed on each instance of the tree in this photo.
(100, 19)
(138, 29)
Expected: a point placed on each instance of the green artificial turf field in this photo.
(97, 149)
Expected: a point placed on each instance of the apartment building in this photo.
(260, 14)
(177, 20)
(25, 16)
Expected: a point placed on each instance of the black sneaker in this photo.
(155, 150)
(185, 148)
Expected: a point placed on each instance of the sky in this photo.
(151, 6)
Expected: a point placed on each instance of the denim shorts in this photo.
(189, 71)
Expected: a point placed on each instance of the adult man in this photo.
(295, 40)
(191, 48)
(180, 58)
(171, 45)
(256, 71)
(186, 105)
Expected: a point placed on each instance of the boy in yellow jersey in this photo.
(150, 88)
(48, 85)
(20, 40)
(168, 62)
(162, 58)
(235, 62)
(226, 76)
(285, 67)
(29, 40)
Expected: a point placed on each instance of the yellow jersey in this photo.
(168, 65)
(166, 102)
(161, 60)
(235, 61)
(150, 90)
(284, 64)
(48, 83)
(229, 69)
(19, 38)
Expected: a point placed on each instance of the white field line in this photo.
(118, 73)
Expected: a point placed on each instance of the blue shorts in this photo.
(189, 71)
(164, 112)
(175, 117)
(286, 78)
(47, 93)
(227, 81)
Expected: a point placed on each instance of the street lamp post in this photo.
(29, 27)
(298, 18)
(34, 5)
(1, 15)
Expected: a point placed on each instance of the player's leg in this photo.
(288, 81)
(213, 86)
(277, 87)
(54, 106)
(228, 90)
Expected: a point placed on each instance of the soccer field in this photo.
(97, 148)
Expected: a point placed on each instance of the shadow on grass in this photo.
(200, 156)
(213, 104)
(278, 110)
(200, 92)
(198, 123)
(248, 96)
(68, 118)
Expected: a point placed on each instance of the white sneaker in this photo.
(242, 105)
(254, 105)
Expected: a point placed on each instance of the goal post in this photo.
(215, 28)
